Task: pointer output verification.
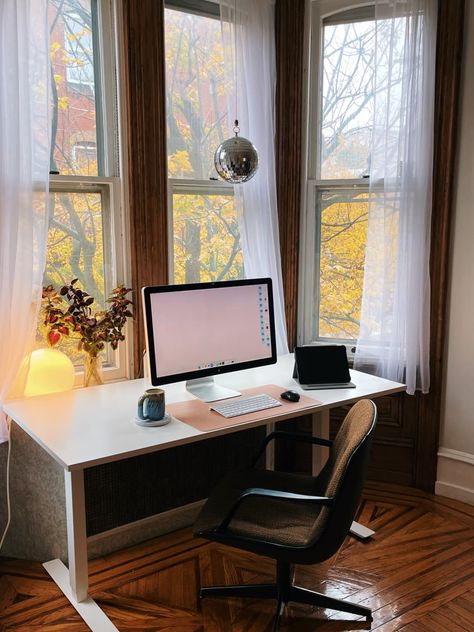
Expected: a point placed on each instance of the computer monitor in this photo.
(198, 330)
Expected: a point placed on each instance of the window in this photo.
(205, 234)
(340, 120)
(85, 233)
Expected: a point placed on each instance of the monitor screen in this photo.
(203, 329)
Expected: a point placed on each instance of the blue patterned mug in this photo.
(151, 405)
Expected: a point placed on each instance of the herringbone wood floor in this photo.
(417, 575)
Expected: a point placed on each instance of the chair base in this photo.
(283, 592)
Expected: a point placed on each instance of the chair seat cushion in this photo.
(263, 518)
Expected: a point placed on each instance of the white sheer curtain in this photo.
(24, 173)
(248, 27)
(395, 328)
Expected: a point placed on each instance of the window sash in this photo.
(323, 12)
(310, 261)
(189, 186)
(117, 364)
(108, 51)
(178, 186)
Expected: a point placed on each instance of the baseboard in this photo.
(455, 477)
(141, 530)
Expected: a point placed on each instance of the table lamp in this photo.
(51, 371)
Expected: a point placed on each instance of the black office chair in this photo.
(293, 518)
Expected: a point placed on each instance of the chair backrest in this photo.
(342, 477)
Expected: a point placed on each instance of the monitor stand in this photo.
(206, 389)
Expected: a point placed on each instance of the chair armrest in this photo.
(271, 493)
(293, 436)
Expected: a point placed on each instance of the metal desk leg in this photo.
(76, 533)
(270, 451)
(320, 454)
(320, 423)
(361, 531)
(74, 583)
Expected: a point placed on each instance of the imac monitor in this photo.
(195, 331)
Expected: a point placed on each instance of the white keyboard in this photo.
(244, 405)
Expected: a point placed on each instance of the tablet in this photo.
(322, 366)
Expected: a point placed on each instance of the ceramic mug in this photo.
(151, 405)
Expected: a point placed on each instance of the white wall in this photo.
(455, 476)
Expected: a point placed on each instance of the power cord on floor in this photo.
(2, 540)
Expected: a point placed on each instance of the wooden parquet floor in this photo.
(417, 575)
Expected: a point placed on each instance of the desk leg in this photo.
(361, 531)
(74, 583)
(76, 533)
(319, 457)
(270, 451)
(320, 423)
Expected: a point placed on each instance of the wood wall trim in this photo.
(447, 98)
(289, 43)
(143, 24)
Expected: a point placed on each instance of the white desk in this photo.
(92, 426)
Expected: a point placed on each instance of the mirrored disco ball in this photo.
(236, 159)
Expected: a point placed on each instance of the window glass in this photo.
(206, 238)
(76, 250)
(74, 120)
(195, 93)
(342, 234)
(347, 99)
(76, 242)
(78, 49)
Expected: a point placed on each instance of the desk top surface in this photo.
(90, 426)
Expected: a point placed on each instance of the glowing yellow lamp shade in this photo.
(51, 371)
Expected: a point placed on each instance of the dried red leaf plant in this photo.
(70, 313)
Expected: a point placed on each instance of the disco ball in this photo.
(236, 159)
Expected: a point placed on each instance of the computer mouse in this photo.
(291, 396)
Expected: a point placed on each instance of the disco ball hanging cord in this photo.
(236, 159)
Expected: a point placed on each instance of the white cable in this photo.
(9, 425)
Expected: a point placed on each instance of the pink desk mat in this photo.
(197, 413)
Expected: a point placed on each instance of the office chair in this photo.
(293, 518)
